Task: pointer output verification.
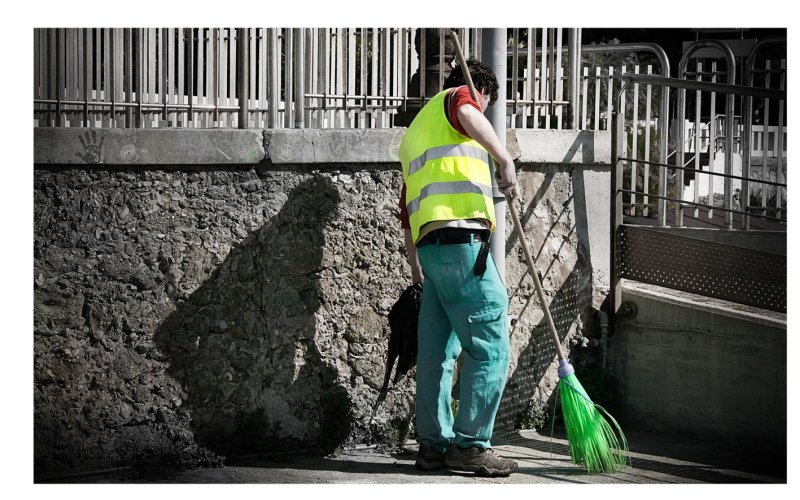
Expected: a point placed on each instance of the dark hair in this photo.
(482, 76)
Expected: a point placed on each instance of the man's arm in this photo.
(479, 128)
(413, 261)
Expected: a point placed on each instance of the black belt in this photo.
(459, 236)
(454, 236)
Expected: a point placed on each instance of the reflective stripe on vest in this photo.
(446, 151)
(455, 187)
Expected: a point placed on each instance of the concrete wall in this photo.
(201, 293)
(701, 367)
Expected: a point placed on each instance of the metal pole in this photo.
(243, 76)
(494, 55)
(574, 75)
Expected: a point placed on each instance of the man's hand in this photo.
(507, 180)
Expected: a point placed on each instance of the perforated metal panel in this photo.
(726, 272)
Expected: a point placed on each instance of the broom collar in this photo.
(565, 369)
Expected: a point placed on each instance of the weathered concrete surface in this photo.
(705, 368)
(188, 311)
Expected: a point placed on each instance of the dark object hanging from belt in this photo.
(403, 318)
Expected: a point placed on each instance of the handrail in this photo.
(729, 103)
(748, 113)
(663, 124)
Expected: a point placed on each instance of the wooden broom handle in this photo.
(515, 217)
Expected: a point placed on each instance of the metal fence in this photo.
(291, 77)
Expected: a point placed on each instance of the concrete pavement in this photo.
(654, 460)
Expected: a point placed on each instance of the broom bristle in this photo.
(593, 441)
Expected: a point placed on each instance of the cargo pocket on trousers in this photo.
(487, 331)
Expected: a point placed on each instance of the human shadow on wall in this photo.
(243, 344)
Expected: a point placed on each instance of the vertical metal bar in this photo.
(37, 64)
(129, 76)
(351, 76)
(765, 174)
(108, 82)
(583, 118)
(170, 72)
(530, 65)
(559, 76)
(663, 132)
(86, 73)
(116, 74)
(597, 75)
(163, 75)
(747, 130)
(140, 73)
(623, 109)
(180, 78)
(385, 77)
(364, 40)
(223, 44)
(634, 140)
(514, 75)
(574, 80)
(610, 104)
(730, 128)
(274, 77)
(534, 75)
(376, 44)
(151, 65)
(242, 76)
(779, 140)
(299, 91)
(288, 116)
(192, 72)
(442, 36)
(544, 78)
(647, 120)
(679, 156)
(52, 86)
(340, 59)
(698, 143)
(712, 141)
(232, 75)
(200, 72)
(423, 63)
(617, 148)
(494, 54)
(322, 74)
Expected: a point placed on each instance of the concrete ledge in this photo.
(333, 145)
(582, 147)
(741, 312)
(81, 146)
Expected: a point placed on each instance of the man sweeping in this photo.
(447, 213)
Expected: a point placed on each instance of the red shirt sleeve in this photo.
(457, 98)
(404, 223)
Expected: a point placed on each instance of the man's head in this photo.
(482, 76)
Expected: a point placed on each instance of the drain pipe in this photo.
(494, 53)
(603, 317)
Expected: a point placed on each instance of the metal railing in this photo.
(291, 77)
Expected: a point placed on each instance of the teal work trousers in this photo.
(460, 311)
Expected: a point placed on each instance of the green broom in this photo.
(592, 440)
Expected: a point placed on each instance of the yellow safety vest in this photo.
(447, 174)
